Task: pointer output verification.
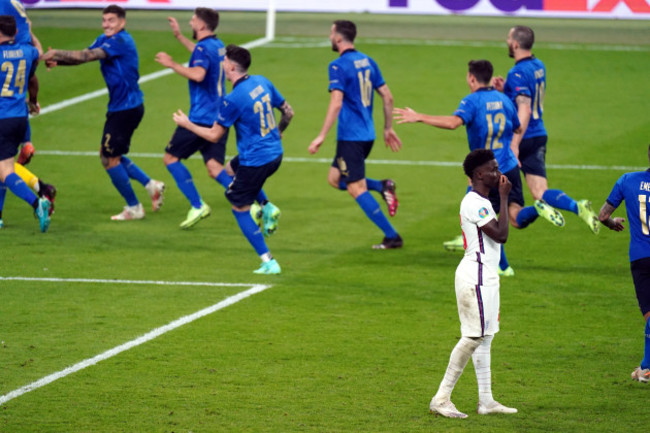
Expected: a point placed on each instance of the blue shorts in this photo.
(248, 181)
(185, 143)
(641, 277)
(118, 130)
(532, 155)
(516, 193)
(350, 159)
(12, 131)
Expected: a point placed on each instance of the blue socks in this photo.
(372, 184)
(185, 183)
(558, 199)
(134, 171)
(120, 179)
(3, 194)
(646, 358)
(261, 198)
(503, 261)
(373, 211)
(251, 231)
(526, 216)
(224, 179)
(20, 188)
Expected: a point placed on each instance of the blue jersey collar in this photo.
(244, 78)
(349, 50)
(486, 88)
(532, 57)
(213, 36)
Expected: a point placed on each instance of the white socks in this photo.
(457, 362)
(481, 360)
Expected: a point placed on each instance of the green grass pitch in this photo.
(347, 339)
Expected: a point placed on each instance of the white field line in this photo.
(368, 161)
(257, 288)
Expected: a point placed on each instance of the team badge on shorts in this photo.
(483, 212)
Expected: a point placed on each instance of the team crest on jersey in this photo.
(483, 212)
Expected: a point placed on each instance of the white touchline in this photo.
(110, 281)
(368, 161)
(257, 288)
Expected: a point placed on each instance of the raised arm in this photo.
(212, 134)
(390, 136)
(498, 229)
(71, 57)
(176, 29)
(195, 73)
(408, 115)
(333, 110)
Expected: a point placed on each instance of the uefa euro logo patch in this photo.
(483, 212)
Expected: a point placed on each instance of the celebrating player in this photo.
(353, 79)
(118, 56)
(634, 189)
(19, 63)
(525, 85)
(249, 107)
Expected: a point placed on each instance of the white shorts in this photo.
(478, 308)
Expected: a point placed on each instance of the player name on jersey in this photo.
(13, 54)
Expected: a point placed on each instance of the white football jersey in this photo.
(481, 250)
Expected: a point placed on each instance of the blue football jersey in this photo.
(634, 188)
(120, 70)
(357, 76)
(16, 9)
(490, 119)
(528, 78)
(249, 107)
(17, 63)
(205, 97)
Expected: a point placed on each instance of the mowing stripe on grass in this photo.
(257, 288)
(368, 161)
(311, 42)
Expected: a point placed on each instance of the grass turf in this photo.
(347, 339)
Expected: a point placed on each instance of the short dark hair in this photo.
(115, 9)
(347, 29)
(482, 70)
(209, 16)
(475, 159)
(524, 35)
(239, 55)
(8, 25)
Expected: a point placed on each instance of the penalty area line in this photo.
(257, 288)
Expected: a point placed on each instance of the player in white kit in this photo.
(477, 284)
